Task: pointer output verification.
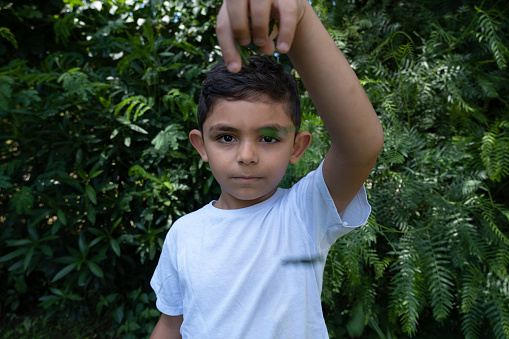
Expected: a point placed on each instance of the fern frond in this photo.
(497, 311)
(349, 256)
(407, 294)
(471, 321)
(500, 263)
(473, 280)
(141, 103)
(439, 278)
(489, 27)
(175, 98)
(488, 211)
(63, 27)
(488, 87)
(371, 258)
(333, 277)
(168, 138)
(440, 36)
(76, 82)
(7, 34)
(495, 151)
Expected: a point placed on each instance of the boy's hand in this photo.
(243, 21)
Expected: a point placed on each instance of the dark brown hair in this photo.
(262, 78)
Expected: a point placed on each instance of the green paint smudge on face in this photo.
(275, 132)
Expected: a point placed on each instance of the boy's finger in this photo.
(238, 13)
(287, 26)
(260, 17)
(226, 41)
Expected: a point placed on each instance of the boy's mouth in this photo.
(246, 179)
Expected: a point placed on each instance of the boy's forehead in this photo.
(268, 112)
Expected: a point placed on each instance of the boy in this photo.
(250, 265)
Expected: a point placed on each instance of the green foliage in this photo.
(494, 146)
(7, 34)
(95, 106)
(439, 190)
(95, 159)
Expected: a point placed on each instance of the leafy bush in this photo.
(433, 259)
(95, 158)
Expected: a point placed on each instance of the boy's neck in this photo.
(229, 202)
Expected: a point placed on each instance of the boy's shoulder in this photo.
(194, 217)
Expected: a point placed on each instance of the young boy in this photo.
(250, 265)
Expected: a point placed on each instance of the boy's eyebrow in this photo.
(222, 128)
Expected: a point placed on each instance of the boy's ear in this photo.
(196, 139)
(300, 145)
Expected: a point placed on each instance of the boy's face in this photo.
(249, 146)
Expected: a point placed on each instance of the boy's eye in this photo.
(225, 138)
(269, 139)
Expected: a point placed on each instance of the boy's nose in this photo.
(247, 153)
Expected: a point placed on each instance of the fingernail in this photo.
(233, 66)
(260, 42)
(282, 47)
(244, 41)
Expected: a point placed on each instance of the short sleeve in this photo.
(165, 281)
(319, 214)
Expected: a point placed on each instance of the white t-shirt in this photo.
(254, 272)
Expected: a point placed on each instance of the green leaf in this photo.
(119, 220)
(91, 214)
(61, 217)
(115, 247)
(47, 250)
(76, 82)
(74, 297)
(22, 200)
(14, 254)
(137, 128)
(73, 3)
(64, 271)
(48, 300)
(95, 174)
(95, 269)
(118, 314)
(7, 34)
(144, 298)
(19, 242)
(5, 181)
(82, 278)
(56, 291)
(114, 133)
(82, 244)
(96, 241)
(81, 171)
(28, 258)
(91, 194)
(168, 138)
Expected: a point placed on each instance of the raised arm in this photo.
(337, 94)
(356, 132)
